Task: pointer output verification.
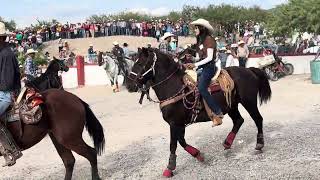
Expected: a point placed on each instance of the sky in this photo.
(26, 12)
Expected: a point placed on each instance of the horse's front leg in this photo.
(141, 97)
(191, 150)
(173, 147)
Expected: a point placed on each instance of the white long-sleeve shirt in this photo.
(231, 61)
(207, 59)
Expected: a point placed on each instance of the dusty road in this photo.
(138, 141)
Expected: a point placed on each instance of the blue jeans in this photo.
(5, 101)
(207, 74)
(242, 61)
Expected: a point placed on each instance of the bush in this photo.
(39, 58)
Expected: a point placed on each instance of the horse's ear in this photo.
(54, 58)
(139, 50)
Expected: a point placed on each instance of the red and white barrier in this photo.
(84, 74)
(94, 75)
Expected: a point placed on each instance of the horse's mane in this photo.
(50, 65)
(36, 81)
(44, 77)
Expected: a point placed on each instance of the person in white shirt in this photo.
(251, 40)
(231, 59)
(256, 31)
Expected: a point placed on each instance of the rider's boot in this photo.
(217, 120)
(8, 147)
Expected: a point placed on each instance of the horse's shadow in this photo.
(120, 164)
(243, 145)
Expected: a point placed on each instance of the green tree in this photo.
(295, 16)
(10, 25)
(41, 23)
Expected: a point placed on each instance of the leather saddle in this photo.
(26, 108)
(190, 79)
(220, 82)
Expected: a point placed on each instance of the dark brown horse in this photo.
(166, 80)
(50, 78)
(64, 118)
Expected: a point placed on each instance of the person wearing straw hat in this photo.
(242, 53)
(207, 54)
(29, 65)
(9, 87)
(164, 46)
(91, 54)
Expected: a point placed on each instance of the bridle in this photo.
(153, 70)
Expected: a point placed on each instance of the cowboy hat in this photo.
(3, 31)
(91, 45)
(228, 52)
(115, 43)
(204, 23)
(223, 49)
(166, 35)
(187, 46)
(31, 51)
(241, 42)
(234, 45)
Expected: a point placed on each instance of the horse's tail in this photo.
(94, 128)
(264, 85)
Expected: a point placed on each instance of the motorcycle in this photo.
(278, 69)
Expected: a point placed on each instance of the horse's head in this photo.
(139, 75)
(150, 66)
(188, 51)
(57, 65)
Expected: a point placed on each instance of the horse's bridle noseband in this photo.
(152, 68)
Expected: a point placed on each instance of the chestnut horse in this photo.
(166, 78)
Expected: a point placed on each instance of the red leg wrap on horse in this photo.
(231, 137)
(191, 150)
(167, 173)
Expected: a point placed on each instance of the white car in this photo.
(311, 50)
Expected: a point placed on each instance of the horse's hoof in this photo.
(200, 158)
(226, 146)
(259, 146)
(167, 173)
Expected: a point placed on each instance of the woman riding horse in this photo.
(166, 79)
(206, 47)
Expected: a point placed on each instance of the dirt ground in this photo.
(137, 144)
(80, 46)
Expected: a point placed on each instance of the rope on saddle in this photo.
(227, 85)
